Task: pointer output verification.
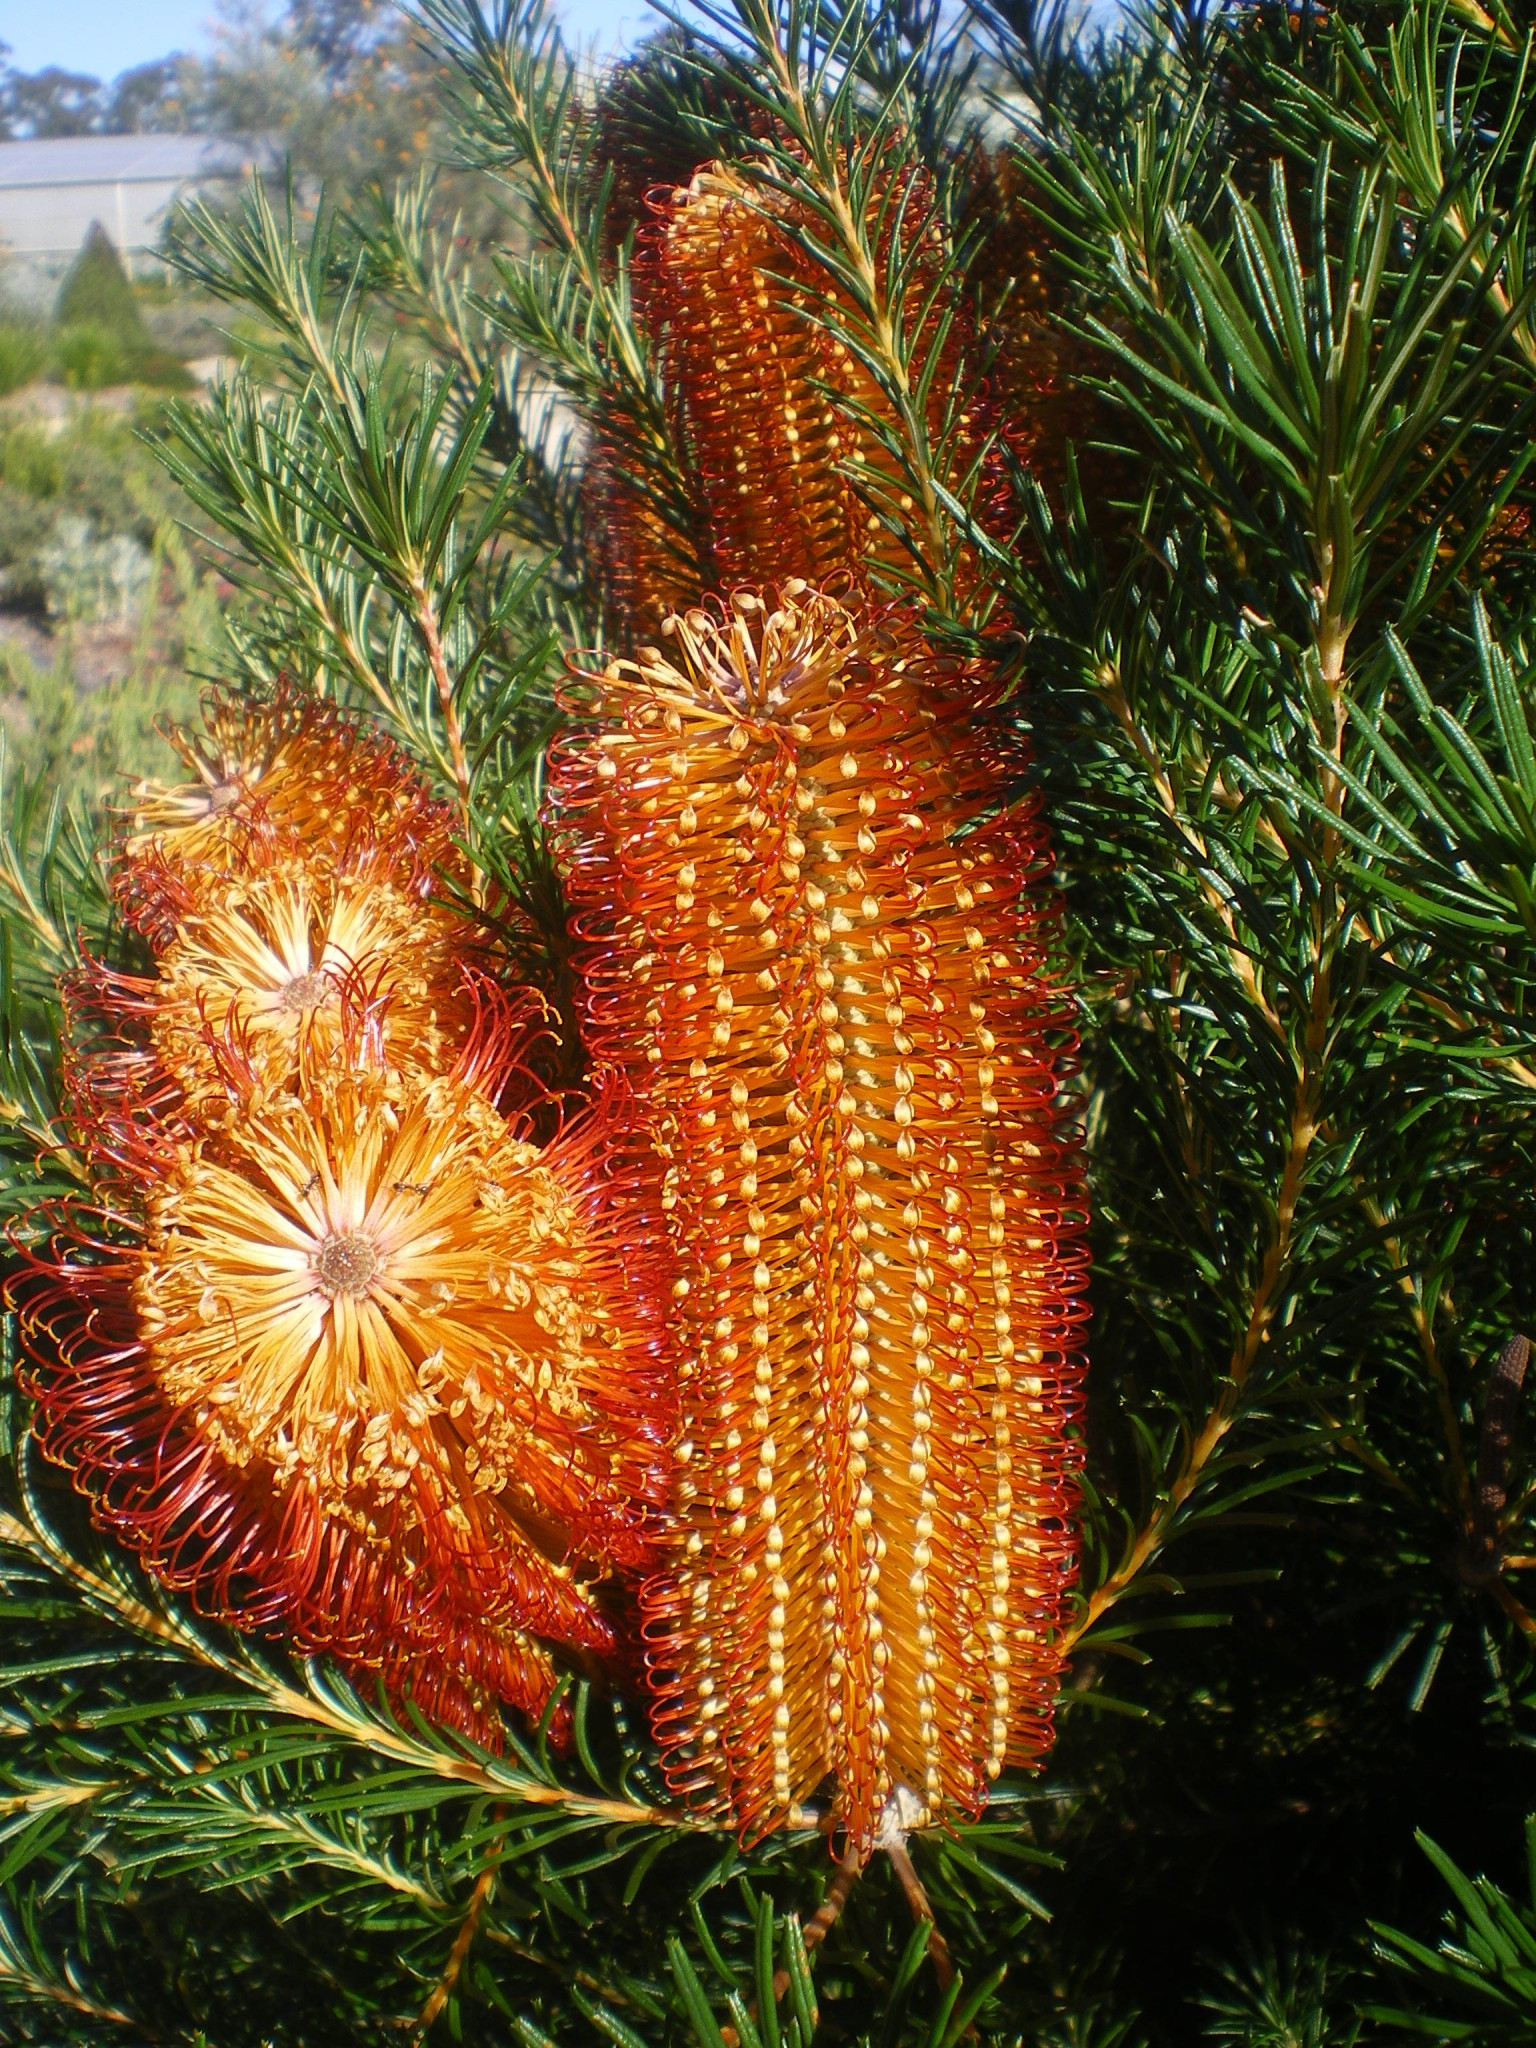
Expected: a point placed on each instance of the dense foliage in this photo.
(1256, 291)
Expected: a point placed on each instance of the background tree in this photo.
(49, 103)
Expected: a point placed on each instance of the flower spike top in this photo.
(277, 959)
(290, 774)
(789, 437)
(824, 959)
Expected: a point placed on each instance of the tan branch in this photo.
(432, 640)
(1327, 922)
(458, 1955)
(1238, 957)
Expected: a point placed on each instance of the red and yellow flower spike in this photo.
(786, 439)
(752, 372)
(823, 959)
(334, 1345)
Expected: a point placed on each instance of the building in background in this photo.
(51, 191)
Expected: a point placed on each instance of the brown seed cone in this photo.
(1035, 368)
(1038, 372)
(825, 969)
(640, 569)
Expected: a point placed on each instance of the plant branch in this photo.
(104, 1595)
(463, 1940)
(432, 641)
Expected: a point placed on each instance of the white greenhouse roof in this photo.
(122, 160)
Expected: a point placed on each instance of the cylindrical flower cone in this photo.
(824, 964)
(789, 438)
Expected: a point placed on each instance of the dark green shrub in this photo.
(25, 528)
(88, 357)
(96, 293)
(101, 336)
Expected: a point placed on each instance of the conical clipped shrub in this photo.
(96, 292)
(101, 335)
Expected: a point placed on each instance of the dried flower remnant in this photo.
(644, 565)
(1038, 370)
(824, 968)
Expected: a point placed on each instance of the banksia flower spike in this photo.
(787, 437)
(793, 437)
(335, 1346)
(825, 969)
(765, 439)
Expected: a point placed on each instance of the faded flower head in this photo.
(291, 775)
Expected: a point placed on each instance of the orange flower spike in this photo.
(766, 439)
(789, 477)
(827, 979)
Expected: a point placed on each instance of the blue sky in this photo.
(103, 37)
